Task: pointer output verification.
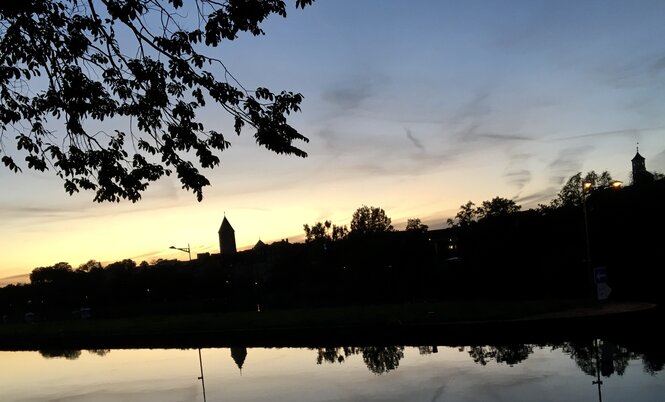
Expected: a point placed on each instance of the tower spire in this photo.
(227, 237)
(640, 173)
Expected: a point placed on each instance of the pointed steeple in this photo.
(239, 355)
(227, 237)
(640, 173)
(637, 156)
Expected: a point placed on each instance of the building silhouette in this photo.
(239, 354)
(227, 238)
(640, 173)
(259, 245)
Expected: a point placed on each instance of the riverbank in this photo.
(450, 323)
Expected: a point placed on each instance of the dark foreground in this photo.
(442, 324)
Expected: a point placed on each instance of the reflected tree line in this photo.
(592, 357)
(70, 354)
(491, 251)
(378, 359)
(608, 357)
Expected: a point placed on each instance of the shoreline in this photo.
(609, 320)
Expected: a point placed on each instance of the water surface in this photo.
(520, 372)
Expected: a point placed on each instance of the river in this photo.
(592, 370)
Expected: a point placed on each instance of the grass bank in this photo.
(321, 325)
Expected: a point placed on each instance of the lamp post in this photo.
(203, 384)
(598, 381)
(186, 250)
(586, 189)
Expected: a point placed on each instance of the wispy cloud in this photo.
(568, 162)
(658, 64)
(347, 97)
(11, 280)
(657, 162)
(333, 140)
(415, 141)
(518, 177)
(516, 173)
(149, 256)
(540, 197)
(636, 72)
(503, 137)
(350, 92)
(477, 107)
(10, 213)
(476, 123)
(630, 133)
(38, 213)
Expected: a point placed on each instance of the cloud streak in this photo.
(415, 141)
(631, 133)
(569, 160)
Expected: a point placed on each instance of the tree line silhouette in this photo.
(493, 251)
(592, 357)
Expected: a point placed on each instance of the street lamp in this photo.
(186, 250)
(586, 189)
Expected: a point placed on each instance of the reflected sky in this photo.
(291, 374)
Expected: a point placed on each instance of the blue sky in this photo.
(416, 107)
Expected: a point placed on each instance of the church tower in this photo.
(640, 173)
(227, 238)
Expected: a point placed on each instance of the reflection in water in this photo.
(382, 359)
(99, 352)
(334, 355)
(598, 381)
(70, 354)
(509, 354)
(591, 355)
(594, 357)
(203, 384)
(580, 370)
(427, 350)
(57, 353)
(239, 355)
(378, 359)
(653, 361)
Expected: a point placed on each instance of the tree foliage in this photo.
(497, 206)
(124, 265)
(56, 273)
(415, 225)
(571, 193)
(142, 67)
(367, 220)
(509, 354)
(382, 359)
(324, 231)
(466, 215)
(89, 266)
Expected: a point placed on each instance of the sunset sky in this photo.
(413, 106)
